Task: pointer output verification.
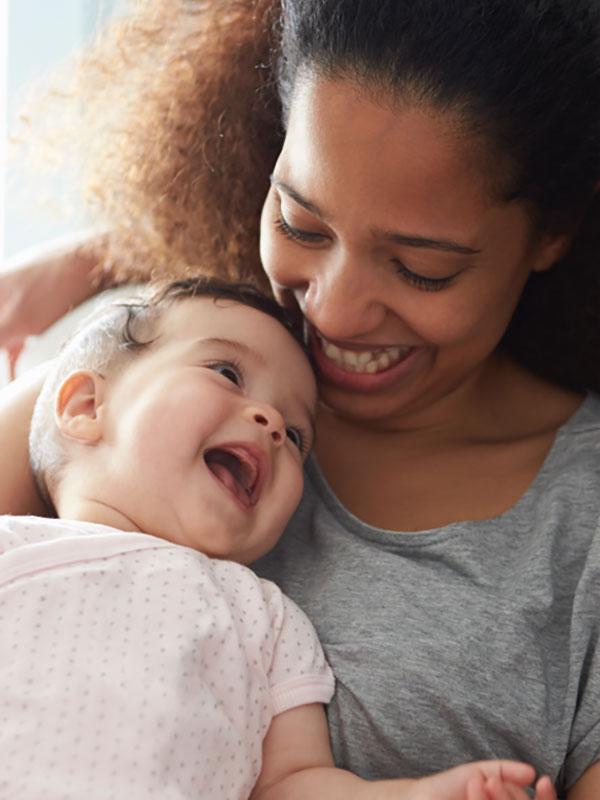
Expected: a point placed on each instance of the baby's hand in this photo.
(482, 780)
(496, 789)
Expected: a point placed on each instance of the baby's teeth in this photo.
(371, 367)
(364, 358)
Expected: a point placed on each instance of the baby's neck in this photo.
(87, 509)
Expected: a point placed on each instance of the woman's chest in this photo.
(388, 485)
(437, 662)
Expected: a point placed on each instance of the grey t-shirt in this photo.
(476, 640)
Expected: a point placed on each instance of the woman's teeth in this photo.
(365, 361)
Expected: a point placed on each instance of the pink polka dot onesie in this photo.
(132, 668)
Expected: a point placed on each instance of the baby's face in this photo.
(206, 433)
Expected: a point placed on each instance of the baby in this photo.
(139, 658)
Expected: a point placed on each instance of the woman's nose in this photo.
(343, 301)
(269, 419)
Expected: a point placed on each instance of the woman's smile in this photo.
(363, 369)
(407, 271)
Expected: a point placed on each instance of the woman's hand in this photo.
(43, 284)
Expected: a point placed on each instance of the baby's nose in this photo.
(269, 418)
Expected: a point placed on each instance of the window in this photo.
(38, 36)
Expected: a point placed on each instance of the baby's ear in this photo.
(78, 411)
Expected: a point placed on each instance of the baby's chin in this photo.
(243, 549)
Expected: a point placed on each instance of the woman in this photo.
(433, 215)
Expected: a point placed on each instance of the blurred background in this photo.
(36, 36)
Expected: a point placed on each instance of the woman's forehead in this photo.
(348, 154)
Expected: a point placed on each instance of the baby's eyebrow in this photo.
(233, 344)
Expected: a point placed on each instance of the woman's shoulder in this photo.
(577, 443)
(564, 426)
(566, 492)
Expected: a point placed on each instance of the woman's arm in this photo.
(18, 494)
(298, 764)
(588, 786)
(41, 284)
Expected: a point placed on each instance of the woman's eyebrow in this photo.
(287, 189)
(424, 242)
(406, 239)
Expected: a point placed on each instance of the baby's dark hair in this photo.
(109, 339)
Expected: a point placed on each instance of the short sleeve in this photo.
(299, 673)
(584, 740)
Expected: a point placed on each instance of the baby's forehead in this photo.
(201, 313)
(208, 316)
(205, 323)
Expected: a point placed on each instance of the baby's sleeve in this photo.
(298, 673)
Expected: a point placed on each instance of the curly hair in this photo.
(177, 126)
(184, 105)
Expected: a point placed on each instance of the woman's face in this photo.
(381, 223)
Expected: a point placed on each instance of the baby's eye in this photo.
(296, 437)
(228, 370)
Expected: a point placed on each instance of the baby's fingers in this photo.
(496, 789)
(476, 788)
(514, 772)
(544, 790)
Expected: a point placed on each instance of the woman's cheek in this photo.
(436, 318)
(267, 245)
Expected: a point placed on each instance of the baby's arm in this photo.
(17, 491)
(297, 761)
(298, 764)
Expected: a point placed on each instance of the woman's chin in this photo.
(363, 408)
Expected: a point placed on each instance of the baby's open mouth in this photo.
(238, 469)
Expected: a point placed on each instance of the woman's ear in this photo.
(78, 411)
(550, 249)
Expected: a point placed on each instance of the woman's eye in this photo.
(227, 370)
(295, 234)
(421, 281)
(296, 436)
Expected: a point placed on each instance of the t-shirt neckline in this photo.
(583, 413)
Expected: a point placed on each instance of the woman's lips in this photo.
(335, 373)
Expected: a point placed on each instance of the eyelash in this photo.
(413, 278)
(233, 366)
(294, 234)
(236, 367)
(420, 281)
(302, 443)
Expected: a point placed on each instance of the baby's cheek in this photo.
(295, 486)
